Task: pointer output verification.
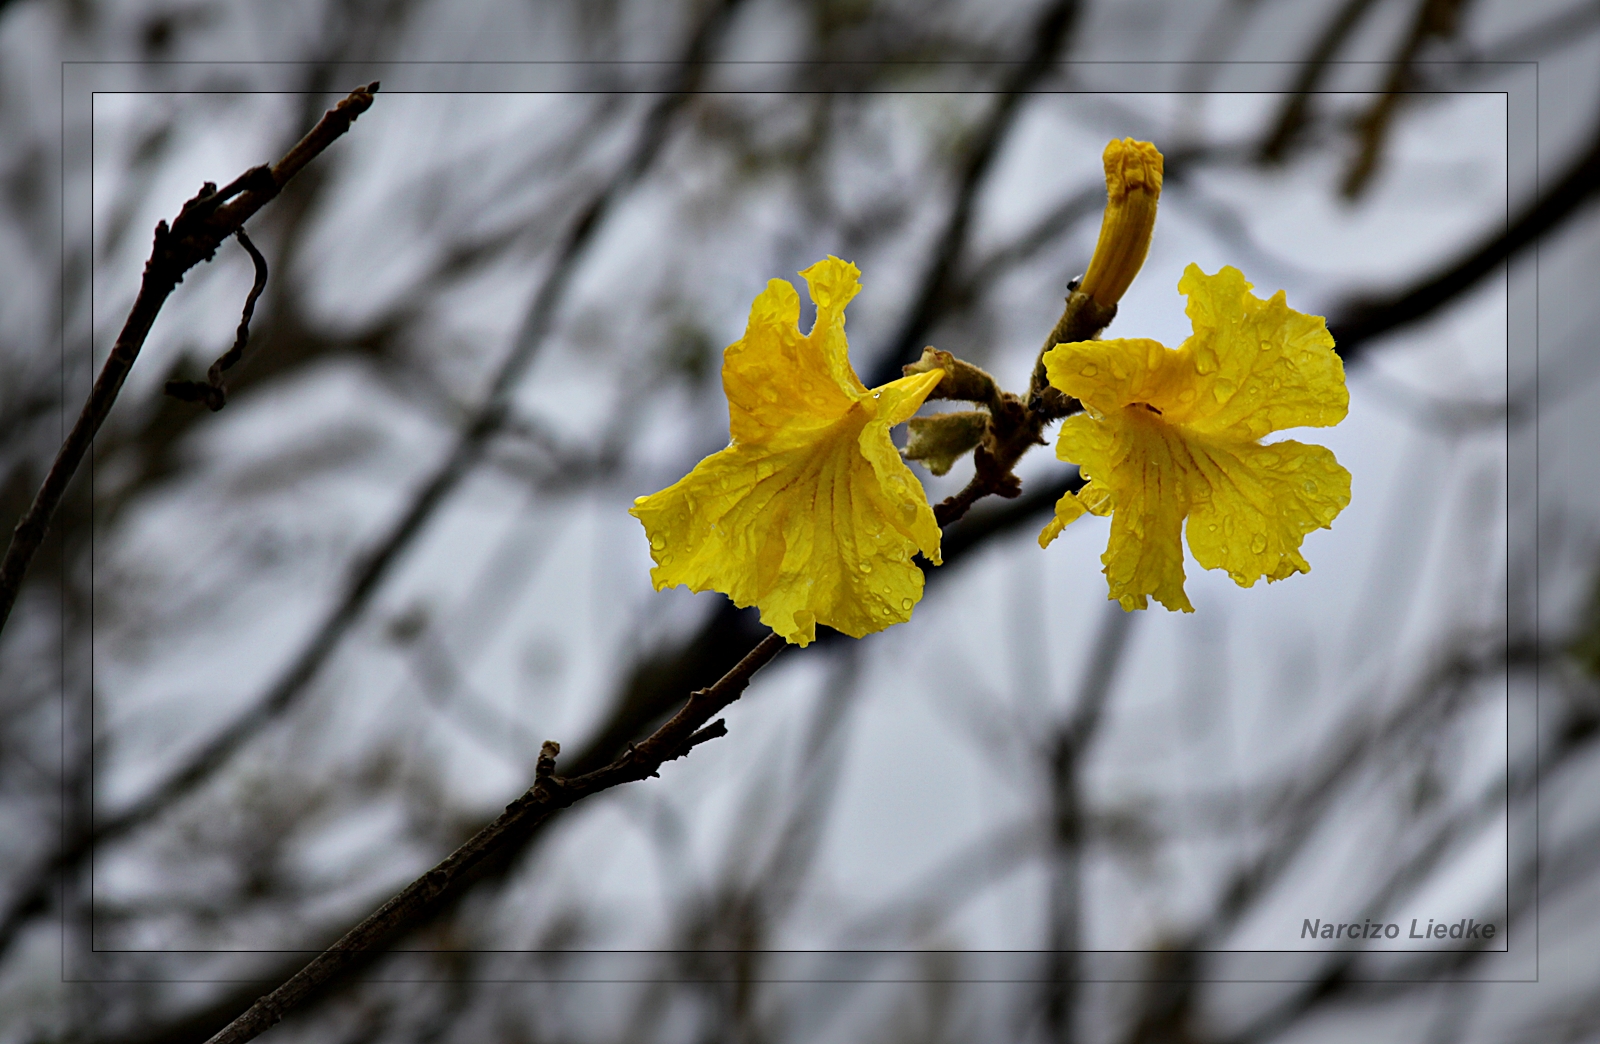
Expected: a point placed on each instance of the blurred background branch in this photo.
(461, 374)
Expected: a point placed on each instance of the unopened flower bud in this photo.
(1133, 185)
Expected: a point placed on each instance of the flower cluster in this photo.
(811, 514)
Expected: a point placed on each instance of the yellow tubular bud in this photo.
(1133, 185)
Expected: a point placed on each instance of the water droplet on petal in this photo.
(1266, 346)
(1212, 528)
(657, 542)
(1090, 370)
(905, 603)
(1309, 486)
(1258, 543)
(1224, 390)
(1205, 361)
(877, 395)
(866, 567)
(640, 500)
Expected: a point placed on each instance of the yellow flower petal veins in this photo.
(1169, 436)
(810, 514)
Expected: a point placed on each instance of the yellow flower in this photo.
(809, 513)
(1169, 435)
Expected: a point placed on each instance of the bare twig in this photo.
(548, 795)
(369, 572)
(212, 391)
(1019, 424)
(200, 227)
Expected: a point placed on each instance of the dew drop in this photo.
(1258, 543)
(658, 543)
(866, 567)
(1224, 390)
(886, 611)
(1090, 370)
(1309, 486)
(1266, 346)
(640, 500)
(877, 395)
(1212, 528)
(1205, 361)
(905, 603)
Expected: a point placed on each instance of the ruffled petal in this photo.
(1260, 366)
(1108, 375)
(810, 534)
(833, 283)
(1148, 488)
(1252, 505)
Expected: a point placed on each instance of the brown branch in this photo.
(200, 227)
(1018, 425)
(371, 570)
(212, 391)
(548, 795)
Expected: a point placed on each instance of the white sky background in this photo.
(1206, 704)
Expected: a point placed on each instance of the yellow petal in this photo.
(780, 383)
(820, 533)
(1108, 375)
(905, 505)
(1068, 508)
(1148, 488)
(1260, 365)
(1093, 498)
(1251, 505)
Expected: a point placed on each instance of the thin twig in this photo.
(548, 795)
(200, 227)
(212, 391)
(1019, 424)
(371, 570)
